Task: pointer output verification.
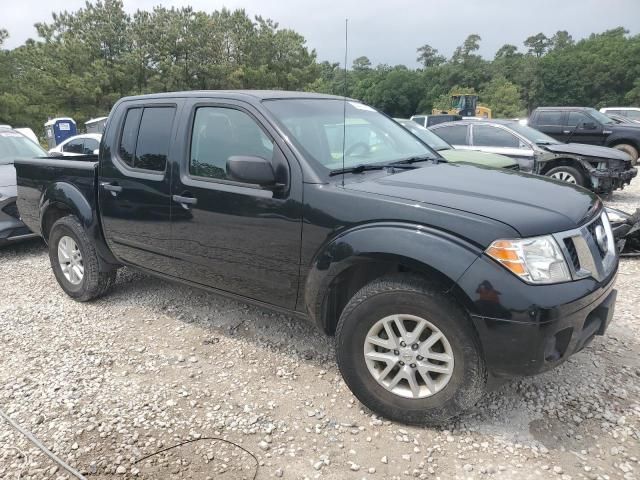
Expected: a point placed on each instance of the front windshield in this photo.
(599, 116)
(15, 145)
(316, 126)
(427, 136)
(533, 135)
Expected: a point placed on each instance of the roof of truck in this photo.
(252, 94)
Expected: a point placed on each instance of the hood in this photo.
(481, 158)
(7, 176)
(532, 205)
(588, 150)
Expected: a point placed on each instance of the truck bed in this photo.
(39, 180)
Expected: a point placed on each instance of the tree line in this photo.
(83, 61)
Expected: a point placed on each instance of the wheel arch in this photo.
(353, 259)
(61, 199)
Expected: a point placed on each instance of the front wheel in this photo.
(567, 174)
(630, 150)
(74, 261)
(409, 353)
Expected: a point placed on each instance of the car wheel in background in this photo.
(630, 149)
(75, 262)
(567, 174)
(408, 352)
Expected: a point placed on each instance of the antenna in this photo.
(344, 103)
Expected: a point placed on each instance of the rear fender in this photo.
(417, 247)
(65, 197)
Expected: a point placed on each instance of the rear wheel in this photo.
(629, 149)
(567, 174)
(408, 352)
(74, 261)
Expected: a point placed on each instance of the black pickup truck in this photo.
(433, 277)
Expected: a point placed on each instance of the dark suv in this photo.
(587, 125)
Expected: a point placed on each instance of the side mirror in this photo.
(589, 126)
(249, 169)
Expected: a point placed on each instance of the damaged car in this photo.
(600, 169)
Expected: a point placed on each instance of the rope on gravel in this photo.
(214, 439)
(44, 449)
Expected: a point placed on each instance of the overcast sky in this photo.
(387, 31)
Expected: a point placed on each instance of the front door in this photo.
(583, 128)
(231, 236)
(495, 139)
(134, 186)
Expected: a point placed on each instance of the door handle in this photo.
(110, 187)
(185, 201)
(566, 132)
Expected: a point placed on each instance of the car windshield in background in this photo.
(427, 136)
(317, 127)
(532, 134)
(15, 145)
(599, 116)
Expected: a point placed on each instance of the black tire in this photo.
(574, 172)
(630, 150)
(94, 283)
(410, 295)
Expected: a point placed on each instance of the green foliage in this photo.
(503, 97)
(84, 61)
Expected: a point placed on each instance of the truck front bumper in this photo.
(527, 329)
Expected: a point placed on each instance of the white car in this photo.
(85, 144)
(632, 113)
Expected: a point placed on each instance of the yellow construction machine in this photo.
(466, 105)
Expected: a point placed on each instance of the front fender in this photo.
(71, 198)
(415, 246)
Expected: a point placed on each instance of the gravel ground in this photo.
(154, 364)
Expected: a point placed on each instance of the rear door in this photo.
(228, 235)
(552, 123)
(498, 139)
(134, 184)
(456, 135)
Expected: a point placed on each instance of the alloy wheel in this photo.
(409, 356)
(564, 177)
(70, 260)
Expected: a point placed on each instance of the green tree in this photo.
(537, 44)
(561, 39)
(429, 56)
(503, 97)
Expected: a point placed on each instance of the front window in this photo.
(15, 145)
(533, 135)
(328, 130)
(600, 117)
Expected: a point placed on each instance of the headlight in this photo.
(534, 260)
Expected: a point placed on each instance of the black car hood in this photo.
(587, 150)
(7, 176)
(532, 205)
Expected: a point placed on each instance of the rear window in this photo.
(453, 134)
(549, 118)
(489, 136)
(146, 134)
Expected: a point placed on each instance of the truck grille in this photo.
(590, 250)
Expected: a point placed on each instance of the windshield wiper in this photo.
(416, 159)
(364, 168)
